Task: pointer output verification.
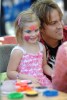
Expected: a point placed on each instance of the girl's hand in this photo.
(29, 77)
(35, 82)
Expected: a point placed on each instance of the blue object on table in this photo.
(50, 93)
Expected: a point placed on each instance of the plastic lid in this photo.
(40, 87)
(31, 93)
(50, 93)
(15, 95)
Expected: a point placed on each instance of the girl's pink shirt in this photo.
(31, 64)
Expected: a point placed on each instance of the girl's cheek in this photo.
(27, 38)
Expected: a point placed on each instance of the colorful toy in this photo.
(22, 87)
(15, 95)
(31, 93)
(50, 93)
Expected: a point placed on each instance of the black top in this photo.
(51, 54)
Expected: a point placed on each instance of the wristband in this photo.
(17, 76)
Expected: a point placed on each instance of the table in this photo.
(61, 96)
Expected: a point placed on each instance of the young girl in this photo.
(28, 58)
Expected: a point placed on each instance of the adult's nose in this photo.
(60, 24)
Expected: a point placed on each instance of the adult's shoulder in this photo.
(65, 28)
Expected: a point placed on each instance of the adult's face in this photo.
(54, 30)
